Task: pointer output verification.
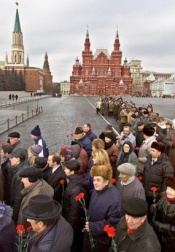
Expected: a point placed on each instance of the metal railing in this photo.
(15, 102)
(11, 123)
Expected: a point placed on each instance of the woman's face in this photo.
(170, 192)
(107, 140)
(30, 154)
(99, 183)
(126, 148)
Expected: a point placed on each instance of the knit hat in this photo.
(32, 173)
(35, 149)
(158, 146)
(40, 162)
(136, 207)
(36, 131)
(104, 171)
(127, 168)
(79, 130)
(170, 182)
(14, 134)
(148, 131)
(72, 165)
(108, 127)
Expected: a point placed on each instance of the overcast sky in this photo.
(58, 27)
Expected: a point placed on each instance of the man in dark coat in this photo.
(51, 232)
(17, 159)
(133, 230)
(7, 172)
(157, 170)
(72, 209)
(55, 175)
(88, 131)
(83, 140)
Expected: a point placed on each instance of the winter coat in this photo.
(1, 185)
(54, 181)
(165, 223)
(170, 138)
(7, 171)
(130, 138)
(53, 238)
(144, 150)
(16, 187)
(155, 174)
(132, 190)
(81, 156)
(113, 155)
(45, 151)
(105, 208)
(72, 209)
(142, 240)
(91, 135)
(8, 239)
(86, 144)
(38, 187)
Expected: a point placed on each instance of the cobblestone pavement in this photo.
(62, 115)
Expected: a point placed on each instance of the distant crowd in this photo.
(112, 192)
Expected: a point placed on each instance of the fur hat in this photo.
(14, 134)
(36, 131)
(148, 131)
(170, 182)
(158, 146)
(108, 127)
(136, 207)
(42, 207)
(35, 149)
(127, 168)
(79, 130)
(104, 171)
(32, 173)
(72, 165)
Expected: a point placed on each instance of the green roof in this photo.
(17, 27)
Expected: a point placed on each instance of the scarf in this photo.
(130, 180)
(170, 200)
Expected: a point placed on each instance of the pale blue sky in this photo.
(146, 31)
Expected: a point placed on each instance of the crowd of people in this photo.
(72, 198)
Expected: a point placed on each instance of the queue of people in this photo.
(123, 181)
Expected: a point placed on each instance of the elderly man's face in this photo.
(124, 177)
(37, 226)
(13, 140)
(155, 153)
(78, 136)
(134, 222)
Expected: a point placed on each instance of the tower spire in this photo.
(17, 26)
(117, 35)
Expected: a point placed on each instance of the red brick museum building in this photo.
(101, 74)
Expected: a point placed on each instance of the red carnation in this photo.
(110, 230)
(153, 189)
(71, 134)
(79, 196)
(67, 135)
(140, 178)
(20, 229)
(113, 180)
(62, 181)
(29, 228)
(2, 144)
